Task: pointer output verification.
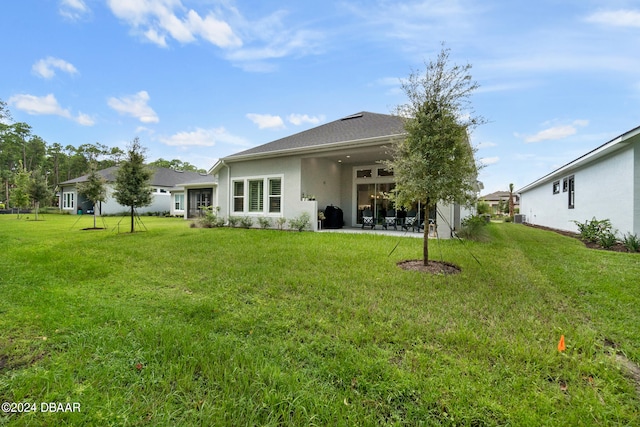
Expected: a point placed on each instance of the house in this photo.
(337, 164)
(603, 183)
(176, 192)
(495, 199)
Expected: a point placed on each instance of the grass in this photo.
(181, 326)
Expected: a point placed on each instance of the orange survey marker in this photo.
(561, 346)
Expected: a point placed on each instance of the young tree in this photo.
(511, 202)
(435, 162)
(94, 189)
(132, 180)
(38, 189)
(20, 193)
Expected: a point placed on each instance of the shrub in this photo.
(210, 218)
(301, 222)
(264, 222)
(631, 242)
(473, 228)
(592, 231)
(246, 222)
(483, 207)
(233, 221)
(607, 239)
(280, 222)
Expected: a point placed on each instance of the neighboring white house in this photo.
(604, 183)
(177, 192)
(336, 164)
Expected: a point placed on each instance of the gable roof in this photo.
(162, 177)
(350, 129)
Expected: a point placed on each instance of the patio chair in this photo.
(367, 219)
(390, 220)
(410, 221)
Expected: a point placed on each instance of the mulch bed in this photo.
(432, 267)
(618, 247)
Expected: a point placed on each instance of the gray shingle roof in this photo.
(163, 177)
(363, 125)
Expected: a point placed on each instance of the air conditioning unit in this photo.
(519, 218)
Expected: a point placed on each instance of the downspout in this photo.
(228, 188)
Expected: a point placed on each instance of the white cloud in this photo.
(135, 106)
(85, 119)
(157, 19)
(489, 160)
(486, 145)
(555, 132)
(39, 105)
(415, 23)
(45, 68)
(282, 43)
(299, 119)
(266, 121)
(47, 105)
(203, 138)
(73, 9)
(616, 18)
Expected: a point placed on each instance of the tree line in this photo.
(25, 157)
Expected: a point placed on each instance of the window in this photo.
(275, 195)
(385, 172)
(565, 185)
(178, 202)
(556, 187)
(256, 195)
(68, 200)
(363, 173)
(572, 190)
(238, 196)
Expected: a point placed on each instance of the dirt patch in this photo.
(93, 228)
(432, 267)
(629, 367)
(618, 247)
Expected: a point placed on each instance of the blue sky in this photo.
(197, 80)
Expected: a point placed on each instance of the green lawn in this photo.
(181, 326)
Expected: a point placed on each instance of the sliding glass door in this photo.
(376, 198)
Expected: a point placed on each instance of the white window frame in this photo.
(264, 206)
(235, 196)
(256, 195)
(272, 197)
(68, 200)
(178, 200)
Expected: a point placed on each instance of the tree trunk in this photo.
(94, 216)
(425, 240)
(132, 218)
(37, 208)
(425, 246)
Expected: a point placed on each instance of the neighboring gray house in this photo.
(338, 163)
(178, 192)
(604, 183)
